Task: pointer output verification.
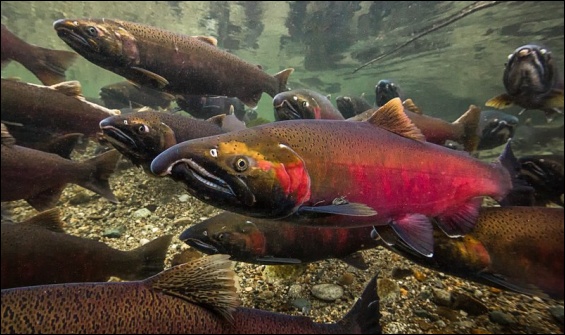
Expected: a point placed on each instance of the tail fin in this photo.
(51, 65)
(520, 189)
(282, 78)
(364, 317)
(470, 123)
(104, 166)
(150, 258)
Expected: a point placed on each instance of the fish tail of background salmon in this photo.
(364, 317)
(509, 164)
(102, 166)
(147, 260)
(51, 65)
(282, 79)
(470, 123)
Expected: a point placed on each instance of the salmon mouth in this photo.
(66, 31)
(117, 137)
(200, 245)
(191, 173)
(286, 111)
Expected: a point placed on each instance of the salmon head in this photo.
(530, 69)
(103, 42)
(247, 172)
(138, 136)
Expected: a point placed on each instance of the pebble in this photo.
(144, 241)
(295, 291)
(184, 198)
(346, 279)
(327, 292)
(441, 297)
(141, 213)
(387, 289)
(501, 318)
(557, 313)
(114, 232)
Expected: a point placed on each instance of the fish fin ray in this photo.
(208, 281)
(461, 220)
(364, 317)
(520, 187)
(282, 79)
(49, 219)
(64, 145)
(103, 166)
(348, 209)
(207, 39)
(153, 77)
(411, 106)
(500, 101)
(46, 199)
(513, 286)
(470, 122)
(416, 231)
(70, 88)
(150, 258)
(391, 117)
(7, 138)
(555, 100)
(51, 65)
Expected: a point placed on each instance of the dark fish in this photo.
(386, 90)
(47, 65)
(125, 94)
(271, 242)
(496, 128)
(349, 106)
(175, 63)
(515, 248)
(304, 104)
(205, 107)
(38, 252)
(53, 110)
(545, 174)
(40, 177)
(532, 81)
(464, 130)
(365, 173)
(193, 298)
(528, 135)
(141, 136)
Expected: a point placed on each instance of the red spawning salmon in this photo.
(376, 172)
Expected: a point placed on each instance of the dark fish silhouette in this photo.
(40, 177)
(175, 63)
(515, 248)
(193, 298)
(532, 81)
(545, 174)
(386, 90)
(496, 128)
(380, 171)
(127, 95)
(271, 242)
(304, 104)
(349, 106)
(205, 107)
(141, 136)
(47, 65)
(38, 252)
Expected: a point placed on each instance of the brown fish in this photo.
(53, 110)
(175, 63)
(38, 252)
(263, 241)
(515, 248)
(141, 136)
(40, 177)
(125, 94)
(304, 104)
(193, 298)
(47, 65)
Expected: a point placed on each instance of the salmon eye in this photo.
(143, 129)
(305, 104)
(220, 236)
(92, 31)
(241, 164)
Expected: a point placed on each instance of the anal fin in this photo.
(416, 231)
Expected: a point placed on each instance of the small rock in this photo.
(468, 304)
(424, 325)
(302, 304)
(141, 213)
(184, 198)
(400, 273)
(144, 241)
(327, 292)
(266, 295)
(248, 289)
(447, 313)
(425, 314)
(419, 275)
(114, 232)
(152, 207)
(346, 279)
(295, 291)
(501, 318)
(441, 297)
(80, 198)
(387, 289)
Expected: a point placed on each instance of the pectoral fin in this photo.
(500, 101)
(152, 77)
(513, 286)
(416, 231)
(461, 220)
(356, 260)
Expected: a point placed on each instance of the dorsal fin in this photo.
(71, 88)
(64, 144)
(208, 281)
(411, 106)
(391, 117)
(218, 120)
(7, 138)
(207, 39)
(49, 219)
